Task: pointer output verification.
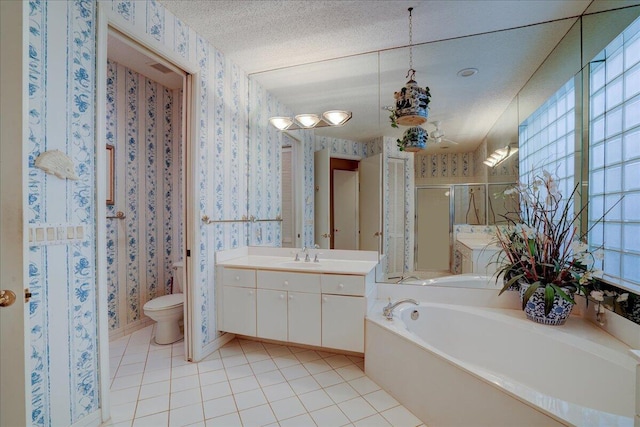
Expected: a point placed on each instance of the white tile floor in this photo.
(245, 383)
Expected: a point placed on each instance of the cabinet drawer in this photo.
(287, 281)
(343, 284)
(239, 277)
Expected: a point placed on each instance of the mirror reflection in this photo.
(416, 206)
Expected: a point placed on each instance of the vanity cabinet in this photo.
(477, 258)
(285, 313)
(343, 322)
(320, 309)
(240, 313)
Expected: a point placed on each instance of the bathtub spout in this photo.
(387, 311)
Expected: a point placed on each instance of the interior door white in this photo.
(14, 380)
(432, 229)
(370, 170)
(322, 189)
(395, 222)
(345, 210)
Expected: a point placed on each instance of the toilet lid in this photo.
(165, 301)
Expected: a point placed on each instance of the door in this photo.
(272, 314)
(343, 322)
(370, 196)
(432, 229)
(322, 191)
(304, 318)
(242, 318)
(396, 216)
(14, 394)
(288, 197)
(345, 209)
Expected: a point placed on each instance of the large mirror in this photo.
(518, 69)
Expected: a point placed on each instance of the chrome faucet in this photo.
(387, 311)
(305, 251)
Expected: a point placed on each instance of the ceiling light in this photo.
(412, 101)
(467, 72)
(310, 121)
(282, 123)
(336, 117)
(307, 120)
(500, 155)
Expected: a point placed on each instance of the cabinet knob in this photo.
(237, 278)
(282, 296)
(250, 292)
(341, 286)
(325, 299)
(290, 297)
(286, 282)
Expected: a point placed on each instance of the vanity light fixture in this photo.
(310, 121)
(500, 155)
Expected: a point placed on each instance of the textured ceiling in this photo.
(321, 55)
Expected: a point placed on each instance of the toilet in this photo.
(167, 310)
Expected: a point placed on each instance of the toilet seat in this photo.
(164, 302)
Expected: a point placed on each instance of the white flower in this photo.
(597, 295)
(622, 297)
(599, 309)
(599, 254)
(510, 191)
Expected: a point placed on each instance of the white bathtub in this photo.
(459, 280)
(469, 366)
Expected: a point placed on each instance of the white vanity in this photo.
(478, 253)
(262, 292)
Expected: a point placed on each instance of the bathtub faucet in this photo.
(387, 311)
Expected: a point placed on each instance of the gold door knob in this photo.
(7, 298)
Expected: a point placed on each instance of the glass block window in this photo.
(547, 140)
(614, 157)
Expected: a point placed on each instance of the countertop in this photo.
(278, 263)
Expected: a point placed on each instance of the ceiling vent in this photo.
(163, 69)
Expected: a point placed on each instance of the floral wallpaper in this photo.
(147, 187)
(62, 276)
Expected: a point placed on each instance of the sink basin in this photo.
(300, 264)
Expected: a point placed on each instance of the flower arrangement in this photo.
(542, 250)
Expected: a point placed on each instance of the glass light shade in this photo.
(307, 120)
(281, 123)
(336, 117)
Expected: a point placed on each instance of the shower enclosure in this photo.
(439, 208)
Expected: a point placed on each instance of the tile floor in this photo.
(245, 383)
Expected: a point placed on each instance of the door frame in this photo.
(109, 20)
(15, 387)
(336, 163)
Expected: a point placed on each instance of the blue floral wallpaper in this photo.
(62, 276)
(147, 187)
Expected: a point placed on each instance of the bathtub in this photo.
(459, 280)
(471, 366)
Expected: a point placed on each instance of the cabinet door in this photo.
(239, 311)
(304, 318)
(272, 314)
(343, 322)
